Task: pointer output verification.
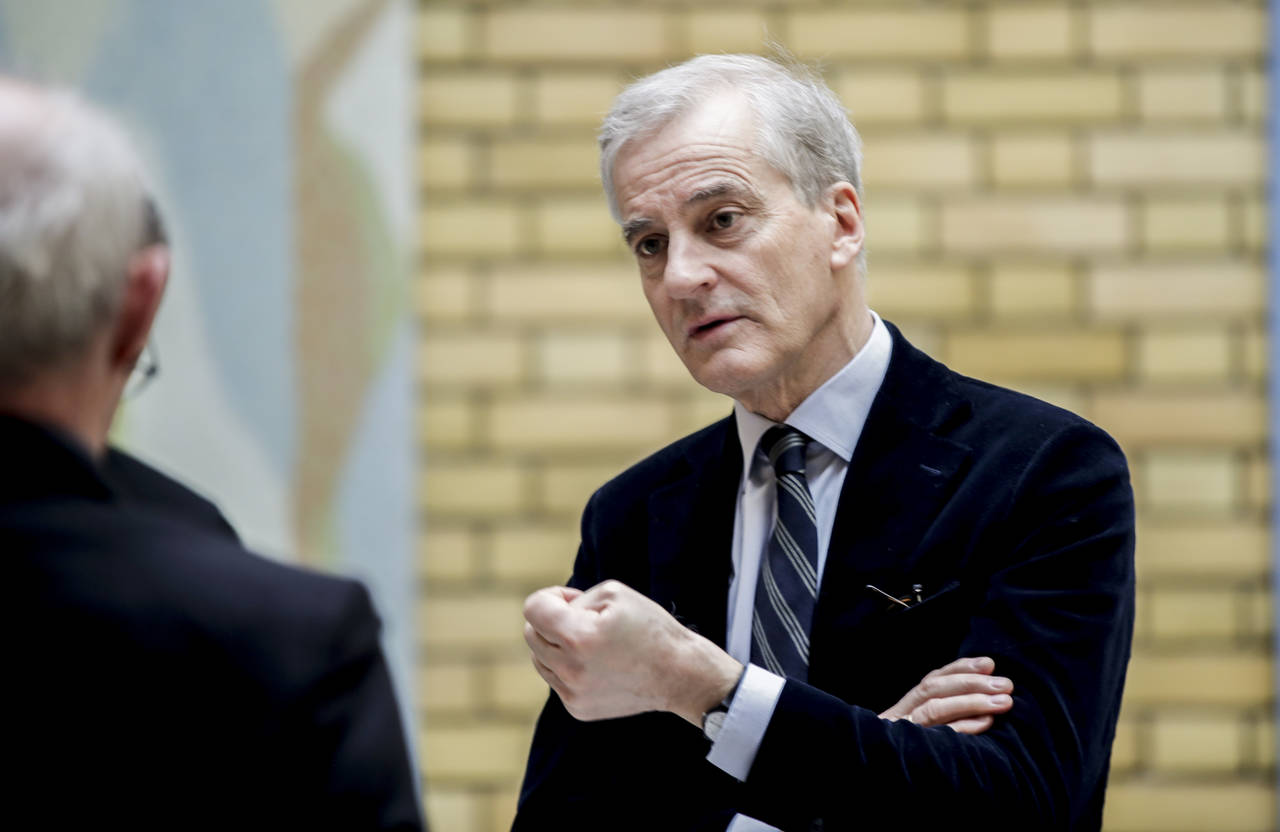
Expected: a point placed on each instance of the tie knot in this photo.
(785, 447)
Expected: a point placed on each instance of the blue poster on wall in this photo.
(280, 135)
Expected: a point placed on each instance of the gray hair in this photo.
(74, 209)
(802, 129)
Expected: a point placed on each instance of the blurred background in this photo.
(404, 341)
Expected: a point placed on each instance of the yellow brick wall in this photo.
(1065, 196)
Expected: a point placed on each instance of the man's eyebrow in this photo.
(631, 228)
(716, 191)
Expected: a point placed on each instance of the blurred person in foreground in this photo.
(749, 603)
(158, 674)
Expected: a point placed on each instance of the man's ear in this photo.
(143, 290)
(849, 231)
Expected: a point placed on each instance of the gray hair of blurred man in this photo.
(801, 127)
(74, 209)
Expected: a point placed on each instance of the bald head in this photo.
(73, 212)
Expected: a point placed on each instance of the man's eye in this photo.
(649, 246)
(724, 219)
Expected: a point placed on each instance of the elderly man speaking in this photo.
(780, 578)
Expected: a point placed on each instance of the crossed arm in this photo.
(611, 652)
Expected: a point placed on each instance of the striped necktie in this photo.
(787, 589)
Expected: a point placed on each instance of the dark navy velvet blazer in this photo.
(159, 676)
(1015, 516)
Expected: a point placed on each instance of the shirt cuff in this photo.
(742, 823)
(735, 748)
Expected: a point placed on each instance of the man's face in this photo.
(751, 287)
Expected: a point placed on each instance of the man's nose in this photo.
(689, 267)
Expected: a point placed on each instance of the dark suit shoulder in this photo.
(691, 452)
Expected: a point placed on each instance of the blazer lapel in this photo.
(691, 533)
(902, 472)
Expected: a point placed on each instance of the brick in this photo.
(1178, 481)
(1032, 290)
(1182, 94)
(443, 33)
(895, 224)
(1254, 95)
(1078, 96)
(574, 226)
(1200, 743)
(1037, 159)
(1125, 748)
(919, 161)
(725, 30)
(446, 164)
(457, 810)
(477, 753)
(517, 686)
(1036, 31)
(573, 98)
(573, 34)
(447, 423)
(605, 293)
(1256, 230)
(577, 423)
(1179, 806)
(468, 99)
(1151, 158)
(1067, 355)
(1264, 742)
(544, 164)
(1256, 358)
(1259, 619)
(1186, 224)
(702, 409)
(882, 96)
(477, 227)
(540, 552)
(450, 686)
(1189, 614)
(1184, 356)
(567, 358)
(1258, 482)
(447, 553)
(1148, 30)
(471, 357)
(1176, 290)
(1222, 549)
(443, 295)
(502, 806)
(474, 488)
(1139, 417)
(923, 290)
(565, 488)
(659, 363)
(1238, 679)
(981, 225)
(866, 34)
(475, 621)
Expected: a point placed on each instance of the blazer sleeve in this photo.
(1056, 614)
(642, 772)
(348, 720)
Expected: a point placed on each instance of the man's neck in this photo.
(77, 409)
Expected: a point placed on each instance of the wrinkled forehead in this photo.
(719, 125)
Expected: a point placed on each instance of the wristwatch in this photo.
(713, 720)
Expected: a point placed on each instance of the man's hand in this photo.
(963, 696)
(611, 652)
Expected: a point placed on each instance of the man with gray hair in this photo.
(160, 675)
(864, 515)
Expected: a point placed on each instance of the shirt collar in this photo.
(834, 414)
